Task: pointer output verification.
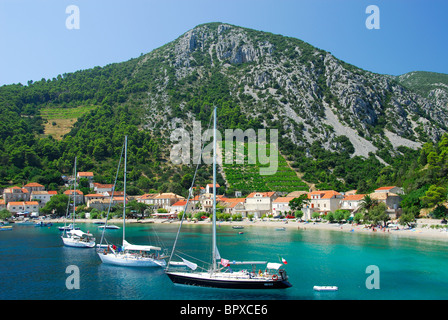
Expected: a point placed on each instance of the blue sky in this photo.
(35, 43)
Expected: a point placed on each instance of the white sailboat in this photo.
(73, 236)
(129, 255)
(219, 274)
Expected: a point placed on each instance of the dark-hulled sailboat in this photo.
(219, 274)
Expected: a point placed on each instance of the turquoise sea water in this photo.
(33, 264)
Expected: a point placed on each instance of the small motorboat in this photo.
(5, 227)
(237, 227)
(109, 226)
(325, 288)
(280, 229)
(67, 228)
(43, 224)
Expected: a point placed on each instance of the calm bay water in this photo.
(33, 264)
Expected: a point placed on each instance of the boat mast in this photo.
(74, 197)
(124, 189)
(214, 192)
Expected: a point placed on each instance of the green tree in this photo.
(329, 217)
(4, 214)
(406, 219)
(57, 205)
(358, 217)
(138, 207)
(298, 214)
(377, 214)
(434, 196)
(341, 214)
(299, 202)
(440, 211)
(315, 215)
(367, 203)
(186, 181)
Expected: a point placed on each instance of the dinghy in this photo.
(325, 288)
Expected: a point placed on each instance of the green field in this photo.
(247, 178)
(60, 120)
(65, 113)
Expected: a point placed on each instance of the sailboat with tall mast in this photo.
(129, 255)
(219, 274)
(74, 237)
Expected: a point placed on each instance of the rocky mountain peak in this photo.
(311, 93)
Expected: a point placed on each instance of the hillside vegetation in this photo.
(258, 80)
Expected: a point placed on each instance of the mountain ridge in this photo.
(332, 117)
(238, 49)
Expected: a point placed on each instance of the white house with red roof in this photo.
(34, 186)
(27, 207)
(322, 201)
(390, 189)
(352, 202)
(41, 196)
(179, 206)
(95, 200)
(281, 205)
(85, 175)
(209, 188)
(259, 203)
(102, 188)
(160, 200)
(234, 205)
(78, 194)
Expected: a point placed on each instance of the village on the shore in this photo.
(28, 200)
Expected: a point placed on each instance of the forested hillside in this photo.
(340, 127)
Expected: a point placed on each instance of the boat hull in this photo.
(78, 244)
(203, 280)
(131, 262)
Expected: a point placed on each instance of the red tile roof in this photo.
(180, 203)
(85, 174)
(33, 184)
(94, 195)
(283, 199)
(386, 188)
(68, 192)
(324, 194)
(354, 197)
(263, 194)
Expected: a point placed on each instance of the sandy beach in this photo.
(421, 231)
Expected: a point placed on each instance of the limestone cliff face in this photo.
(276, 79)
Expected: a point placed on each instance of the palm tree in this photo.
(367, 203)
